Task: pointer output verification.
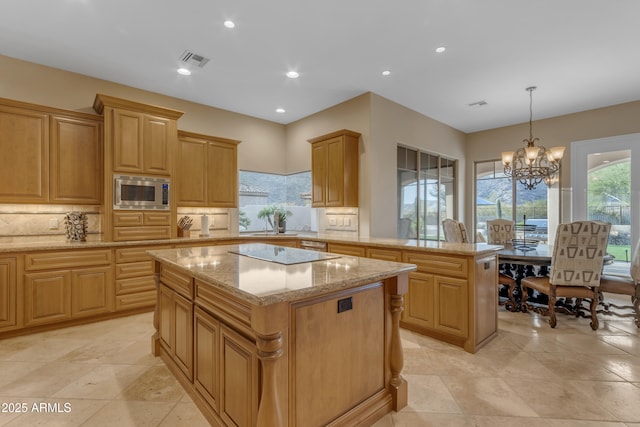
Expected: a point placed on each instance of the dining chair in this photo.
(624, 286)
(576, 267)
(454, 231)
(501, 232)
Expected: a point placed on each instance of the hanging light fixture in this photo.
(533, 164)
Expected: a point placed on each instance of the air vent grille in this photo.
(189, 57)
(478, 104)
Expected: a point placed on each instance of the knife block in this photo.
(183, 233)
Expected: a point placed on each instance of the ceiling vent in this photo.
(478, 104)
(189, 57)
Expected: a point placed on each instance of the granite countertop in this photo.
(262, 282)
(389, 243)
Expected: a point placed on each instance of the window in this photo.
(261, 192)
(498, 197)
(426, 193)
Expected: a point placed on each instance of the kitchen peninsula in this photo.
(269, 335)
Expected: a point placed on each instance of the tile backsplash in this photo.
(44, 222)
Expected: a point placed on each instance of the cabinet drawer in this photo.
(178, 281)
(346, 249)
(135, 284)
(134, 269)
(127, 218)
(438, 264)
(384, 254)
(157, 218)
(137, 300)
(135, 254)
(67, 259)
(123, 234)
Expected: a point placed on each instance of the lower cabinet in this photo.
(176, 328)
(10, 301)
(134, 286)
(452, 298)
(66, 285)
(350, 250)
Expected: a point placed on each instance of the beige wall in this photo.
(263, 142)
(393, 124)
(557, 131)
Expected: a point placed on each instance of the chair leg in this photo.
(512, 299)
(552, 310)
(594, 314)
(636, 308)
(525, 295)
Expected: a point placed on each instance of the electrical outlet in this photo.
(53, 224)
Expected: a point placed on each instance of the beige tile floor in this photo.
(102, 374)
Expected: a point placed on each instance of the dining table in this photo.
(533, 260)
(519, 262)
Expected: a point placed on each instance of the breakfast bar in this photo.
(267, 335)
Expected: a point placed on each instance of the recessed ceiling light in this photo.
(184, 71)
(441, 49)
(386, 72)
(280, 110)
(229, 24)
(606, 161)
(293, 75)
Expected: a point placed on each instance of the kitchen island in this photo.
(272, 336)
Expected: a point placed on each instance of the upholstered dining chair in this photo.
(501, 232)
(624, 285)
(576, 267)
(454, 231)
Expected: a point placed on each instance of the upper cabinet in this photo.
(141, 136)
(334, 169)
(49, 155)
(208, 171)
(76, 160)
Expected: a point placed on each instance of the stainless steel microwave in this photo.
(140, 192)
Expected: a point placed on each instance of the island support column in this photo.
(397, 287)
(271, 327)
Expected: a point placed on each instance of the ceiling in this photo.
(581, 54)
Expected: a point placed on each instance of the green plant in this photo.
(243, 220)
(268, 213)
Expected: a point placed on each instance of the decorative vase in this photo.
(76, 226)
(279, 223)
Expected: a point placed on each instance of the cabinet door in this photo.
(182, 334)
(222, 181)
(419, 303)
(452, 314)
(127, 141)
(156, 144)
(47, 297)
(8, 293)
(335, 172)
(91, 291)
(318, 174)
(192, 173)
(239, 379)
(24, 159)
(76, 160)
(206, 377)
(164, 317)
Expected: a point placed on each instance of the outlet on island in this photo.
(53, 224)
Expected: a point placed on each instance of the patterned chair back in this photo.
(578, 253)
(454, 231)
(500, 231)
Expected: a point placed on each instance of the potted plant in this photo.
(276, 216)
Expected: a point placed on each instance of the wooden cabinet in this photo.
(208, 171)
(351, 250)
(452, 298)
(134, 280)
(49, 155)
(66, 285)
(140, 138)
(206, 359)
(24, 163)
(10, 293)
(175, 314)
(76, 160)
(141, 143)
(334, 169)
(141, 225)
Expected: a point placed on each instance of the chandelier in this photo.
(533, 164)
